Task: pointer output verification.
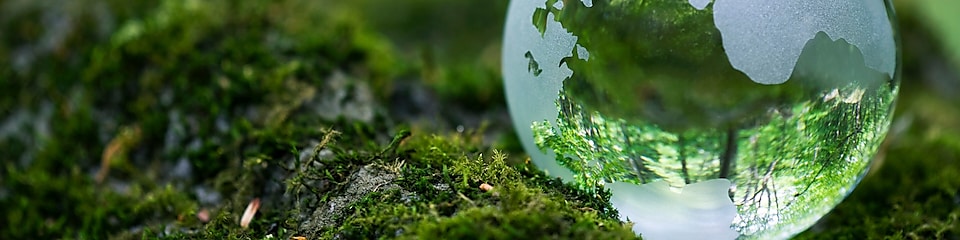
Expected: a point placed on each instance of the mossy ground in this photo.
(202, 106)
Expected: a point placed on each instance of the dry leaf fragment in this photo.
(126, 139)
(248, 214)
(299, 238)
(204, 215)
(486, 187)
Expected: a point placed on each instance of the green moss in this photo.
(230, 89)
(188, 73)
(72, 206)
(445, 200)
(473, 85)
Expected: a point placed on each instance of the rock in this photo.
(331, 213)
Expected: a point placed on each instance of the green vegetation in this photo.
(451, 204)
(793, 150)
(198, 107)
(201, 106)
(913, 189)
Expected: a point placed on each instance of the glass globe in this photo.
(707, 119)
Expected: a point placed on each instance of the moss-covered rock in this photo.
(437, 194)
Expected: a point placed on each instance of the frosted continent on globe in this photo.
(706, 119)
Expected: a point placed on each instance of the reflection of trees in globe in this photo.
(666, 91)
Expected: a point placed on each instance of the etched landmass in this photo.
(699, 4)
(543, 65)
(764, 38)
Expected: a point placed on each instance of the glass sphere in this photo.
(706, 119)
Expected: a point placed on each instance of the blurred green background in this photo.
(175, 84)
